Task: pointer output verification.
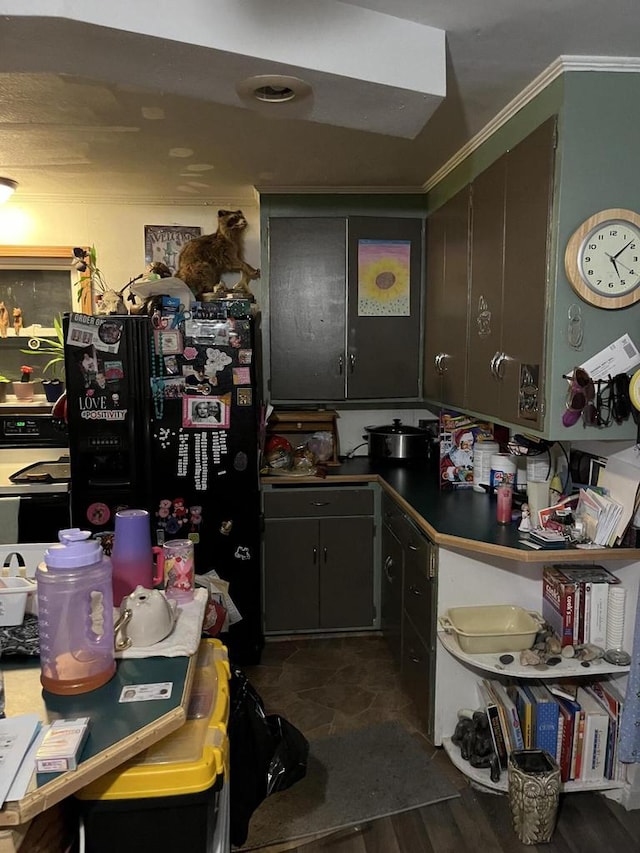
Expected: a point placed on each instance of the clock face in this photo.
(602, 259)
(609, 258)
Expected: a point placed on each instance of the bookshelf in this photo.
(466, 579)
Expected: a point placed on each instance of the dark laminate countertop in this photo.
(463, 518)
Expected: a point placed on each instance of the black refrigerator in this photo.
(163, 415)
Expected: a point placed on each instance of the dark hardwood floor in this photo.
(327, 686)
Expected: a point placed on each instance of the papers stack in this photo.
(17, 735)
(601, 515)
(621, 481)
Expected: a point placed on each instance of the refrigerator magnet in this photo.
(205, 412)
(244, 396)
(168, 341)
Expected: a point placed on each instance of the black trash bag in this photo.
(267, 754)
(289, 761)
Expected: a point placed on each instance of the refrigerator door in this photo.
(108, 397)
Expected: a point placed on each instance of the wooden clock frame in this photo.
(571, 259)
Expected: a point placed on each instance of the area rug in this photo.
(351, 778)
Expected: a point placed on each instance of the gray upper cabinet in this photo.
(328, 339)
(511, 205)
(487, 283)
(446, 303)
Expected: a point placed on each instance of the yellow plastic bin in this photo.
(175, 795)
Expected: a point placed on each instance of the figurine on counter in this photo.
(4, 320)
(17, 320)
(525, 524)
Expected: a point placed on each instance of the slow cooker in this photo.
(397, 441)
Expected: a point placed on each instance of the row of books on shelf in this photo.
(577, 724)
(582, 603)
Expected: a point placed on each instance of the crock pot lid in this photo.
(396, 428)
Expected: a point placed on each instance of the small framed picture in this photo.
(205, 412)
(168, 341)
(163, 243)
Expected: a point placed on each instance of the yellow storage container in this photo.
(173, 795)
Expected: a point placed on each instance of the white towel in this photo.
(184, 640)
(9, 509)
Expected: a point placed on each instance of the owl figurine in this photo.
(534, 790)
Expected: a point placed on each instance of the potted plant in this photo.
(24, 388)
(54, 348)
(91, 278)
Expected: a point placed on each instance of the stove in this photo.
(33, 508)
(25, 441)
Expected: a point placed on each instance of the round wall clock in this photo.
(602, 259)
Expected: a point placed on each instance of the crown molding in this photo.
(562, 65)
(231, 202)
(342, 190)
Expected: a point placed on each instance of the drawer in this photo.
(303, 503)
(393, 517)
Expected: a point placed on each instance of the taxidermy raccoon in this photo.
(204, 259)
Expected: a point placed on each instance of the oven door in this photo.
(42, 514)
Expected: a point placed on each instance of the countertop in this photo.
(462, 519)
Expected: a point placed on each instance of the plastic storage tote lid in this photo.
(75, 549)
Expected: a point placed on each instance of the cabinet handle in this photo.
(415, 591)
(502, 358)
(413, 657)
(388, 566)
(352, 362)
(492, 364)
(340, 364)
(319, 503)
(413, 547)
(324, 554)
(315, 556)
(439, 363)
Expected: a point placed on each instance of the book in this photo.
(578, 739)
(558, 603)
(608, 696)
(547, 714)
(568, 709)
(596, 732)
(591, 611)
(489, 706)
(524, 705)
(513, 720)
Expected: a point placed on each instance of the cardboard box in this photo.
(559, 604)
(458, 436)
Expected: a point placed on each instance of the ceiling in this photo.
(153, 110)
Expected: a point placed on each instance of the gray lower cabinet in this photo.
(409, 601)
(318, 550)
(419, 602)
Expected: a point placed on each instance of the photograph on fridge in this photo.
(208, 412)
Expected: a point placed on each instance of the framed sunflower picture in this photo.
(384, 275)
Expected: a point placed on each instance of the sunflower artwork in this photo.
(383, 278)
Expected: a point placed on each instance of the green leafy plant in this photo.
(52, 347)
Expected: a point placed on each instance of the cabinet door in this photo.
(307, 287)
(384, 290)
(485, 295)
(448, 309)
(434, 338)
(529, 190)
(417, 674)
(291, 575)
(391, 593)
(346, 572)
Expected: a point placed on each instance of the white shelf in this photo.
(491, 663)
(483, 777)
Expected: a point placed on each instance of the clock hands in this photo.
(612, 258)
(617, 254)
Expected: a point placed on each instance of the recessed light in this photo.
(273, 89)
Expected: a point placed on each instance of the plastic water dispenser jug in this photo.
(75, 615)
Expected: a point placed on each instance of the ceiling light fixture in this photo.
(7, 188)
(273, 89)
